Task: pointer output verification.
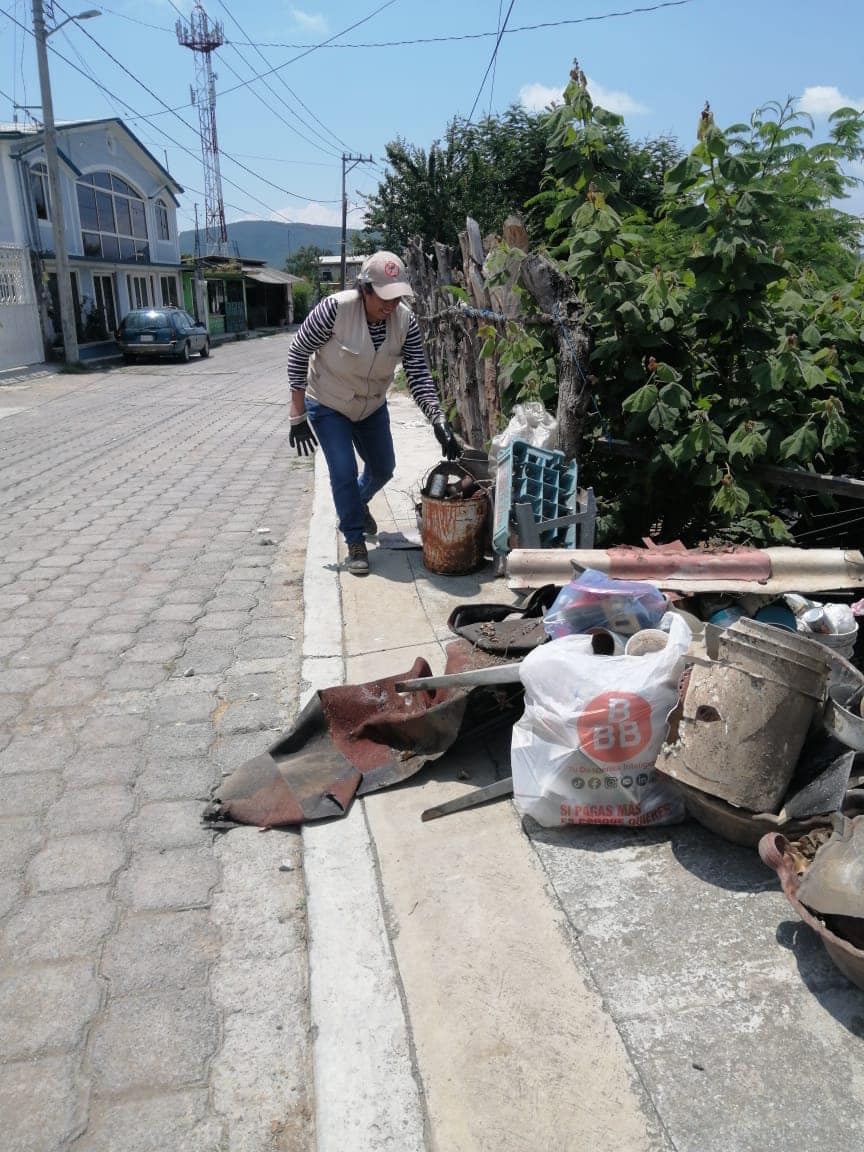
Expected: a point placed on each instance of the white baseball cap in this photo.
(387, 275)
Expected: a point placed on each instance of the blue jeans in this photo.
(339, 437)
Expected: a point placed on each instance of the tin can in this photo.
(816, 621)
(437, 486)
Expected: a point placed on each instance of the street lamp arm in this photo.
(88, 15)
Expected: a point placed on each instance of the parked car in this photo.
(161, 332)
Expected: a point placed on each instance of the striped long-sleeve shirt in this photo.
(317, 329)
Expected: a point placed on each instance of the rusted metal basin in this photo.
(738, 826)
(777, 852)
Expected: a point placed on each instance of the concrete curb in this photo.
(366, 1094)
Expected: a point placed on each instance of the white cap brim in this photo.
(392, 291)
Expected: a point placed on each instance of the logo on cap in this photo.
(391, 269)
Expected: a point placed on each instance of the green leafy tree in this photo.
(486, 170)
(722, 341)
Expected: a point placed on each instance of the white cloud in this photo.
(614, 100)
(820, 100)
(310, 21)
(320, 214)
(536, 97)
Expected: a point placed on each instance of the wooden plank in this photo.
(813, 482)
(797, 478)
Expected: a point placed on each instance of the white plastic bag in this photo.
(529, 422)
(583, 752)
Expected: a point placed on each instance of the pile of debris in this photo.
(657, 683)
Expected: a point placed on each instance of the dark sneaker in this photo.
(370, 524)
(358, 560)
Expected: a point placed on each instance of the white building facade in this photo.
(120, 210)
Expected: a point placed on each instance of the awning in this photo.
(270, 276)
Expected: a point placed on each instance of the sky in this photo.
(299, 84)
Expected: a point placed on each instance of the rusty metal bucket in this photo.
(454, 533)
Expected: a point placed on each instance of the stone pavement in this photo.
(479, 984)
(152, 976)
(471, 984)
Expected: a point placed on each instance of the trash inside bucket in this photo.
(454, 533)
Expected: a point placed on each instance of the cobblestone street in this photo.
(152, 974)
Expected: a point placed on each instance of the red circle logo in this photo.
(391, 269)
(614, 727)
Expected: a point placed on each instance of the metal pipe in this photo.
(792, 570)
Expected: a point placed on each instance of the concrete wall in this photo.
(20, 332)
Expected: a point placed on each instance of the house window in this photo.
(162, 229)
(113, 220)
(39, 191)
(169, 291)
(138, 295)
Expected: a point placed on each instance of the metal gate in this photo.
(20, 333)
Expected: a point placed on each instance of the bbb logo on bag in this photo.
(614, 727)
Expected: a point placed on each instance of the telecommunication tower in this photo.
(204, 37)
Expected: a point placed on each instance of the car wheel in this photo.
(128, 358)
(185, 354)
(205, 349)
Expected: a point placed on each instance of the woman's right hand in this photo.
(301, 436)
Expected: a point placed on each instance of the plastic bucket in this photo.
(454, 534)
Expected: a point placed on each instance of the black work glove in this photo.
(446, 437)
(302, 437)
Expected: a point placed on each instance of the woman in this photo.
(340, 365)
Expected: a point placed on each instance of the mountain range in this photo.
(273, 241)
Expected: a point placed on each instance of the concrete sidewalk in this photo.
(480, 985)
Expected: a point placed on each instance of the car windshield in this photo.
(135, 321)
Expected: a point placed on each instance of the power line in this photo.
(314, 47)
(491, 62)
(137, 116)
(284, 120)
(135, 20)
(485, 35)
(279, 116)
(494, 65)
(281, 79)
(186, 124)
(429, 39)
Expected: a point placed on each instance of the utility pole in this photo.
(353, 161)
(58, 224)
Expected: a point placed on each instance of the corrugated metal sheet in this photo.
(270, 276)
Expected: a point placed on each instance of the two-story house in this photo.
(120, 211)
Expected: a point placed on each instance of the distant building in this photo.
(238, 294)
(330, 268)
(120, 209)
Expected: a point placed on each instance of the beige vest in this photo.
(347, 373)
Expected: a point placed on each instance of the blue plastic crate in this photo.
(543, 479)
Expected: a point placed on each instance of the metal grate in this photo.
(13, 284)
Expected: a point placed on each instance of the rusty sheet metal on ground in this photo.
(356, 739)
(803, 570)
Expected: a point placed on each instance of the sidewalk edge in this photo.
(366, 1095)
